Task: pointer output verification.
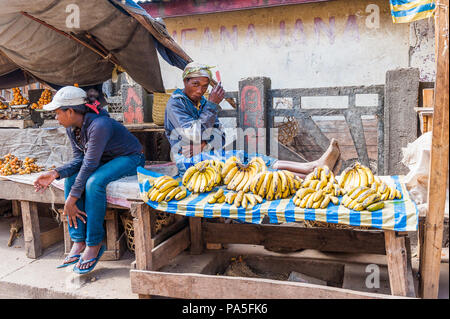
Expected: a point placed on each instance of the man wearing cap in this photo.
(103, 151)
(191, 122)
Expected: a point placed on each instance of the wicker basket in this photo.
(159, 105)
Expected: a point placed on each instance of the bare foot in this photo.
(331, 155)
(89, 253)
(77, 248)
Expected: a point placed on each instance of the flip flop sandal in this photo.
(71, 263)
(95, 260)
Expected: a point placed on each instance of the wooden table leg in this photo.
(195, 225)
(142, 235)
(400, 277)
(67, 240)
(16, 208)
(31, 230)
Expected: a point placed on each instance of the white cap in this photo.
(67, 96)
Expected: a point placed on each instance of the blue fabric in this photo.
(102, 140)
(93, 200)
(181, 113)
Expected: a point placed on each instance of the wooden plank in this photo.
(51, 237)
(195, 225)
(67, 240)
(434, 224)
(112, 229)
(142, 235)
(16, 123)
(428, 97)
(296, 238)
(170, 230)
(199, 286)
(163, 253)
(31, 230)
(396, 254)
(16, 208)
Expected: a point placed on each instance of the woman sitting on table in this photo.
(103, 151)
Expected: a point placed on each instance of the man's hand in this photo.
(71, 210)
(44, 180)
(217, 94)
(190, 150)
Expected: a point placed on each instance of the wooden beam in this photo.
(163, 253)
(397, 257)
(199, 286)
(31, 230)
(431, 254)
(142, 235)
(195, 225)
(296, 238)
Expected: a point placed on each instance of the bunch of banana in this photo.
(238, 176)
(246, 200)
(356, 175)
(362, 197)
(202, 177)
(322, 178)
(165, 188)
(310, 198)
(217, 197)
(275, 184)
(385, 191)
(217, 165)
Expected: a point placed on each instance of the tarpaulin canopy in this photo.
(44, 40)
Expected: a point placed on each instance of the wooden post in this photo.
(430, 256)
(142, 237)
(400, 278)
(195, 225)
(31, 230)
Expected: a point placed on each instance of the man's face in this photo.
(194, 88)
(92, 95)
(64, 117)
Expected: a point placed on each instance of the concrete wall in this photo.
(334, 43)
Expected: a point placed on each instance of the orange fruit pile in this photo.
(12, 165)
(3, 106)
(18, 98)
(45, 98)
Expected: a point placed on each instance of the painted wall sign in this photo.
(177, 8)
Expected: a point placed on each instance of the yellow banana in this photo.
(230, 198)
(275, 183)
(265, 184)
(322, 183)
(199, 182)
(239, 198)
(218, 194)
(168, 184)
(382, 188)
(212, 199)
(297, 182)
(244, 180)
(375, 206)
(190, 185)
(392, 193)
(188, 174)
(344, 177)
(317, 204)
(236, 180)
(161, 180)
(364, 195)
(302, 192)
(227, 169)
(172, 194)
(220, 200)
(371, 199)
(279, 192)
(258, 198)
(251, 199)
(317, 195)
(385, 195)
(335, 200)
(284, 182)
(290, 180)
(270, 191)
(244, 201)
(370, 176)
(346, 200)
(364, 181)
(152, 193)
(313, 184)
(309, 177)
(398, 194)
(163, 194)
(352, 204)
(181, 194)
(325, 202)
(230, 175)
(310, 201)
(358, 207)
(305, 200)
(358, 192)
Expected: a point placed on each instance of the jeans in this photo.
(93, 199)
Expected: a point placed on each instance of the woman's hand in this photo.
(190, 150)
(44, 180)
(71, 210)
